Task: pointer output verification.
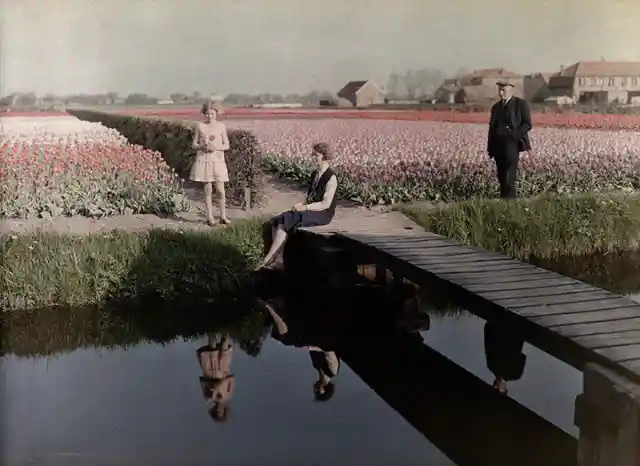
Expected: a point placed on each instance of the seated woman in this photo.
(318, 209)
(308, 327)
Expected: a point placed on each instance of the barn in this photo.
(362, 93)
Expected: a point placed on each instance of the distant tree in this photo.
(292, 98)
(28, 99)
(462, 71)
(394, 86)
(179, 97)
(112, 97)
(138, 98)
(422, 83)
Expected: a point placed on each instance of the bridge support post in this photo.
(608, 415)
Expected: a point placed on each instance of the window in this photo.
(623, 82)
(594, 82)
(612, 81)
(580, 81)
(634, 81)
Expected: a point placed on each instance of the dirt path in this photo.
(281, 196)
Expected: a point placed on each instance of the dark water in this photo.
(124, 388)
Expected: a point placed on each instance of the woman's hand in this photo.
(299, 207)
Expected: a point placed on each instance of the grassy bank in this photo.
(543, 227)
(45, 269)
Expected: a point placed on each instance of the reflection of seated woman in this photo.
(505, 358)
(319, 208)
(303, 331)
(217, 382)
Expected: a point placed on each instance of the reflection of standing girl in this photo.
(217, 381)
(210, 140)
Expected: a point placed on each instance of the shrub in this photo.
(173, 140)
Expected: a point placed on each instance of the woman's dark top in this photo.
(317, 189)
(503, 351)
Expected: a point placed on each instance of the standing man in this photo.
(508, 136)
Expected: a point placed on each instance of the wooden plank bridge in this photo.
(592, 329)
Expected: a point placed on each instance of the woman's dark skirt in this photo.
(292, 220)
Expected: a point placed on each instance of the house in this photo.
(446, 93)
(478, 86)
(481, 94)
(536, 87)
(362, 93)
(599, 82)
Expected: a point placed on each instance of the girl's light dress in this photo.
(209, 167)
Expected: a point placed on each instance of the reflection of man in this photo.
(505, 358)
(508, 136)
(217, 382)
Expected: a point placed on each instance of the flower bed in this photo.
(61, 166)
(626, 122)
(399, 161)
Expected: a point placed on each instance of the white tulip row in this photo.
(56, 130)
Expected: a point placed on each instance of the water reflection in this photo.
(217, 381)
(504, 353)
(394, 400)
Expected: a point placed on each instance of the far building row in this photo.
(595, 82)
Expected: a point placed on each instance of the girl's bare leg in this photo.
(208, 202)
(222, 202)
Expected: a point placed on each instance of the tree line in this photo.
(410, 85)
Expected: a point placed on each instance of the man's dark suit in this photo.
(508, 136)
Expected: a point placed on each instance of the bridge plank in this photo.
(519, 284)
(584, 317)
(605, 326)
(600, 340)
(598, 328)
(557, 290)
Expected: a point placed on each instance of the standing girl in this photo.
(210, 140)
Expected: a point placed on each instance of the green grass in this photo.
(544, 227)
(43, 270)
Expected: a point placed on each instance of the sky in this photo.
(293, 46)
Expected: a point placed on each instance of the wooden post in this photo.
(608, 415)
(247, 198)
(381, 274)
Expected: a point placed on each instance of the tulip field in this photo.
(61, 166)
(567, 119)
(395, 161)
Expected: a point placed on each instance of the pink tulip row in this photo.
(396, 161)
(65, 167)
(627, 122)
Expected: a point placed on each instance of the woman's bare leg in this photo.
(279, 255)
(279, 240)
(208, 202)
(222, 201)
(281, 325)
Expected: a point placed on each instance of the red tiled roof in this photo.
(602, 69)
